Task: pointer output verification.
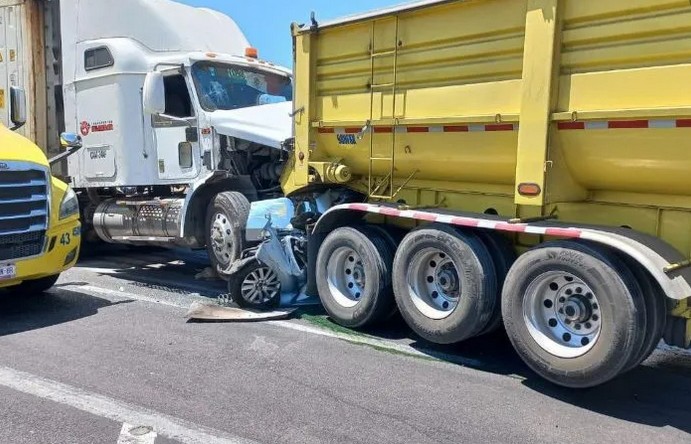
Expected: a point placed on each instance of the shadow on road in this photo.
(155, 269)
(650, 396)
(655, 394)
(19, 314)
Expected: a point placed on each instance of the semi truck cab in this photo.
(181, 129)
(39, 214)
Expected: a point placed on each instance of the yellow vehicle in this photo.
(472, 161)
(40, 230)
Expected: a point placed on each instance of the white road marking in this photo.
(187, 286)
(121, 294)
(115, 410)
(364, 340)
(130, 434)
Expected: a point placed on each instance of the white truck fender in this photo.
(194, 187)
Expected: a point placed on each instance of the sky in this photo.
(266, 23)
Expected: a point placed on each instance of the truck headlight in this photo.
(70, 204)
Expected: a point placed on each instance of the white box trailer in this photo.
(182, 125)
(25, 53)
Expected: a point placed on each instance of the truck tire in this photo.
(354, 276)
(34, 287)
(393, 235)
(573, 315)
(444, 283)
(255, 286)
(655, 308)
(226, 218)
(503, 256)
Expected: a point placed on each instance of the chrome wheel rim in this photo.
(221, 238)
(260, 286)
(346, 277)
(434, 283)
(562, 314)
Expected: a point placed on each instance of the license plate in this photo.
(7, 272)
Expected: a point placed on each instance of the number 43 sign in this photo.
(65, 239)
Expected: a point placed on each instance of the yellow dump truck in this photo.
(473, 163)
(40, 231)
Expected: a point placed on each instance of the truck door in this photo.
(11, 67)
(178, 155)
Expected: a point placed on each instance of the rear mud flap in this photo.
(217, 313)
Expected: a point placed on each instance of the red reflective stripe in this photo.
(359, 207)
(383, 129)
(513, 228)
(571, 125)
(389, 211)
(684, 123)
(326, 130)
(563, 232)
(429, 217)
(628, 124)
(417, 129)
(465, 222)
(499, 127)
(352, 130)
(456, 129)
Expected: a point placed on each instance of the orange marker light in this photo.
(251, 53)
(529, 189)
(211, 55)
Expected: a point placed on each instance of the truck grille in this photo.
(24, 205)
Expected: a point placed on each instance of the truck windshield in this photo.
(225, 87)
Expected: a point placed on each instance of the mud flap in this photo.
(214, 312)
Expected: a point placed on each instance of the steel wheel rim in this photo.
(346, 277)
(434, 283)
(260, 286)
(562, 314)
(221, 238)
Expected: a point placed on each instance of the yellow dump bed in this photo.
(583, 105)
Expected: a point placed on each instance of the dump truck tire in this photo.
(394, 236)
(572, 314)
(656, 311)
(354, 276)
(226, 218)
(444, 283)
(503, 256)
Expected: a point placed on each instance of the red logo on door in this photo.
(84, 128)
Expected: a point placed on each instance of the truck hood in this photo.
(269, 125)
(16, 148)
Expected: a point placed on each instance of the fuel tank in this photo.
(152, 222)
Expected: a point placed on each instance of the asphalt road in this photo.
(108, 357)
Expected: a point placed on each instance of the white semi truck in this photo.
(182, 124)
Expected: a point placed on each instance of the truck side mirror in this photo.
(70, 140)
(17, 107)
(154, 94)
(71, 143)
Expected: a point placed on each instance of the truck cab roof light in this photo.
(251, 53)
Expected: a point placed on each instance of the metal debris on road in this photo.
(214, 312)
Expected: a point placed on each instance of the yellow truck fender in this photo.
(652, 253)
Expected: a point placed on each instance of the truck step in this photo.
(147, 239)
(383, 54)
